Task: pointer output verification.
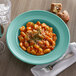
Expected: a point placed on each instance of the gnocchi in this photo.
(37, 39)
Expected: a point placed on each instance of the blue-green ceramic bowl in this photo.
(59, 27)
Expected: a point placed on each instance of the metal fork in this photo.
(67, 56)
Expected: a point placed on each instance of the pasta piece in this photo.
(51, 47)
(38, 23)
(30, 24)
(26, 44)
(48, 33)
(41, 36)
(40, 27)
(31, 47)
(53, 43)
(29, 28)
(29, 31)
(32, 42)
(22, 28)
(35, 31)
(50, 29)
(21, 45)
(50, 40)
(35, 26)
(40, 50)
(23, 48)
(42, 53)
(43, 25)
(28, 50)
(47, 27)
(54, 38)
(33, 52)
(21, 39)
(36, 46)
(40, 42)
(26, 38)
(43, 46)
(47, 51)
(23, 34)
(47, 43)
(46, 37)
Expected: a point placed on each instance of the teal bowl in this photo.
(59, 27)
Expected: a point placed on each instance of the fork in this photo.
(67, 56)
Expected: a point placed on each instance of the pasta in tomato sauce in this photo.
(37, 39)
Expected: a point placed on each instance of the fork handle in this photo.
(65, 57)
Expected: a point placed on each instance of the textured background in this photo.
(9, 65)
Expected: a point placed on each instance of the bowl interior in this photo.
(42, 21)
